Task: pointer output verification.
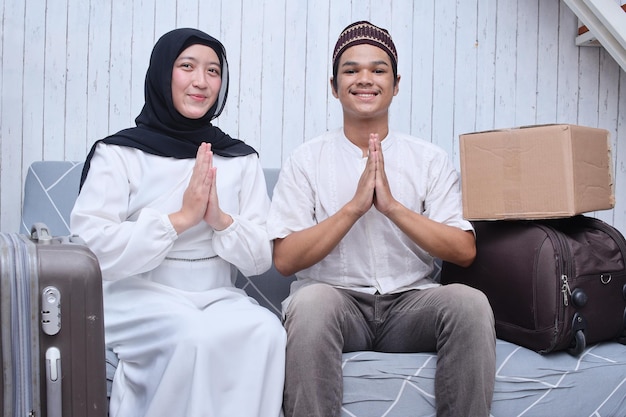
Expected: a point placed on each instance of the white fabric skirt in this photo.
(207, 353)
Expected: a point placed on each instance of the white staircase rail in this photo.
(606, 21)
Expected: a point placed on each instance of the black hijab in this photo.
(161, 130)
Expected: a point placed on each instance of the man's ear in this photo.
(332, 87)
(396, 87)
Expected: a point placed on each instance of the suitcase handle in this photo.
(40, 233)
(53, 382)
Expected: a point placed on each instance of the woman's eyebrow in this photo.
(192, 58)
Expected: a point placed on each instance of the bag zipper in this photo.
(562, 257)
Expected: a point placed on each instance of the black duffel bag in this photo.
(553, 284)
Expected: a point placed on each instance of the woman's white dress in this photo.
(189, 342)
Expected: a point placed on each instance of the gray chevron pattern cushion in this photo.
(395, 385)
(49, 193)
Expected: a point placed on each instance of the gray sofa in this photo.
(379, 384)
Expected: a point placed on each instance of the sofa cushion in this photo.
(50, 189)
(394, 385)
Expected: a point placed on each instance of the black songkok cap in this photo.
(364, 32)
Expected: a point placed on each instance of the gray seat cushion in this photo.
(383, 384)
(50, 190)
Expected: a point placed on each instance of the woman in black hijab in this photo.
(189, 342)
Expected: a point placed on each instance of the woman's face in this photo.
(196, 81)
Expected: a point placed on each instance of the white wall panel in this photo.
(142, 41)
(98, 76)
(294, 82)
(33, 72)
(55, 77)
(443, 77)
(250, 71)
(548, 61)
(589, 74)
(506, 64)
(231, 33)
(420, 79)
(121, 35)
(272, 68)
(402, 23)
(465, 67)
(76, 97)
(525, 110)
(567, 77)
(164, 17)
(317, 93)
(72, 72)
(485, 64)
(13, 65)
(187, 13)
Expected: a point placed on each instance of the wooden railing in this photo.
(603, 23)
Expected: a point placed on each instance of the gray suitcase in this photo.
(52, 334)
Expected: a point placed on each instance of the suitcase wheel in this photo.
(579, 343)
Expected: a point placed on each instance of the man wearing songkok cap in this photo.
(358, 215)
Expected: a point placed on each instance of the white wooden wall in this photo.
(72, 72)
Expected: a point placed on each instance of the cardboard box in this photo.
(536, 172)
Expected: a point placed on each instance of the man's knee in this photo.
(315, 306)
(315, 299)
(469, 306)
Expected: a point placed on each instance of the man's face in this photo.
(365, 82)
(196, 81)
